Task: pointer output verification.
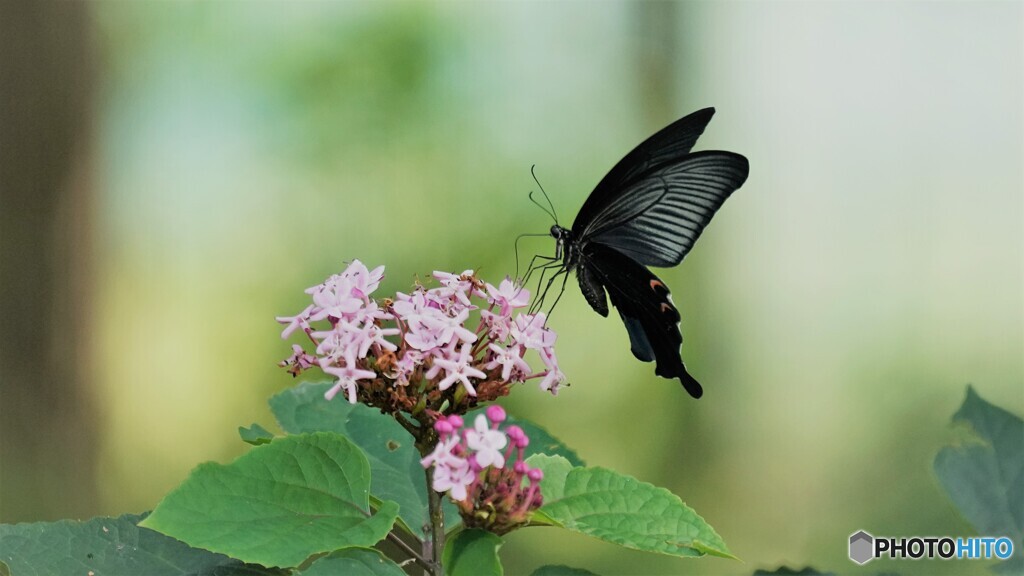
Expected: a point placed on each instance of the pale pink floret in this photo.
(420, 302)
(454, 286)
(487, 443)
(335, 300)
(348, 378)
(444, 452)
(453, 477)
(458, 368)
(508, 296)
(363, 281)
(509, 359)
(295, 322)
(552, 381)
(405, 366)
(299, 359)
(427, 332)
(529, 331)
(362, 338)
(332, 345)
(455, 326)
(497, 325)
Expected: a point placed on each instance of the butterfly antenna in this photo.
(533, 173)
(541, 206)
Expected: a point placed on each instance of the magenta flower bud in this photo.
(495, 413)
(535, 475)
(521, 467)
(455, 420)
(443, 427)
(518, 436)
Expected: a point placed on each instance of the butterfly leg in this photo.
(538, 303)
(543, 271)
(536, 294)
(529, 271)
(561, 291)
(516, 247)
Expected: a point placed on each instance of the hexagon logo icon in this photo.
(862, 547)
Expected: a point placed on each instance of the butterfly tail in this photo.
(678, 370)
(691, 385)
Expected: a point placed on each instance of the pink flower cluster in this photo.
(472, 466)
(416, 350)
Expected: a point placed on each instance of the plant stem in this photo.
(397, 541)
(409, 426)
(436, 535)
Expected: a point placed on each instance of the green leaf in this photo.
(279, 504)
(541, 441)
(561, 570)
(395, 468)
(354, 562)
(787, 571)
(108, 547)
(472, 553)
(984, 477)
(303, 409)
(256, 435)
(620, 509)
(556, 469)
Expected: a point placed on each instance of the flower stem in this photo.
(436, 535)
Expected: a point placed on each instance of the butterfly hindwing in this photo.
(645, 305)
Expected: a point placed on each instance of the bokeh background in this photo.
(175, 174)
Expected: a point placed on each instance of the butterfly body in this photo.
(567, 250)
(649, 210)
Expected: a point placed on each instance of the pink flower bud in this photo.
(518, 436)
(521, 467)
(455, 420)
(535, 475)
(495, 413)
(443, 427)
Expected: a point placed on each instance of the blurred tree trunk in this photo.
(657, 59)
(47, 436)
(667, 69)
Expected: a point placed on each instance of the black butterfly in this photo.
(648, 210)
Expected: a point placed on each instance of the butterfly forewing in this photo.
(668, 145)
(657, 219)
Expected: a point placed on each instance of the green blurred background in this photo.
(175, 174)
